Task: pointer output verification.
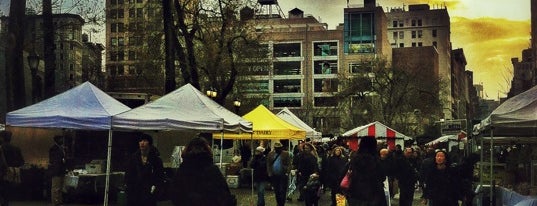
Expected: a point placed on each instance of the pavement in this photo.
(244, 196)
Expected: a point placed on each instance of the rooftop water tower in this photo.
(265, 9)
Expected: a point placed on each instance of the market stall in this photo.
(291, 118)
(513, 121)
(84, 107)
(378, 130)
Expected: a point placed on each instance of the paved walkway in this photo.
(244, 197)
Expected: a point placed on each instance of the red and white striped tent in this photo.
(377, 130)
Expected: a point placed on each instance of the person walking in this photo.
(198, 181)
(278, 167)
(306, 165)
(407, 176)
(57, 169)
(334, 169)
(441, 183)
(144, 175)
(367, 176)
(259, 165)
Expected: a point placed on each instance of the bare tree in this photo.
(15, 87)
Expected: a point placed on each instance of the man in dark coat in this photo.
(198, 181)
(144, 175)
(407, 176)
(14, 161)
(278, 167)
(57, 169)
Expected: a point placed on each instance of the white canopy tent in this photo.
(84, 107)
(513, 120)
(291, 118)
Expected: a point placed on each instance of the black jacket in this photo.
(198, 182)
(56, 167)
(139, 178)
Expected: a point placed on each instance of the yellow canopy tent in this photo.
(266, 126)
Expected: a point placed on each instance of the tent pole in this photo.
(252, 169)
(482, 160)
(491, 166)
(222, 144)
(108, 159)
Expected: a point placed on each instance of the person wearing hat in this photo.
(259, 165)
(144, 174)
(57, 169)
(278, 167)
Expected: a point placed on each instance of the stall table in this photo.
(90, 187)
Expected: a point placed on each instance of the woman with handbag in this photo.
(335, 168)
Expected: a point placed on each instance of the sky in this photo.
(490, 32)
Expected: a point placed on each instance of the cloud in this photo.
(489, 44)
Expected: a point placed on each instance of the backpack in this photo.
(277, 167)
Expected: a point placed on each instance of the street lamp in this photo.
(237, 104)
(211, 93)
(33, 63)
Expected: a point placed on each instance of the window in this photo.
(132, 56)
(401, 45)
(420, 44)
(119, 2)
(112, 69)
(434, 33)
(287, 86)
(413, 34)
(287, 68)
(113, 13)
(255, 86)
(138, 1)
(360, 67)
(419, 22)
(359, 32)
(287, 102)
(420, 33)
(139, 12)
(120, 70)
(113, 41)
(325, 49)
(395, 35)
(394, 24)
(120, 13)
(401, 24)
(325, 85)
(113, 56)
(325, 102)
(131, 13)
(325, 67)
(413, 44)
(132, 69)
(413, 22)
(71, 67)
(401, 35)
(287, 50)
(120, 55)
(121, 41)
(61, 56)
(120, 27)
(113, 27)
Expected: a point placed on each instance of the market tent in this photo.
(514, 120)
(379, 131)
(516, 117)
(84, 107)
(267, 126)
(186, 108)
(291, 118)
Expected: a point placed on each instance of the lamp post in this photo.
(237, 104)
(211, 93)
(33, 63)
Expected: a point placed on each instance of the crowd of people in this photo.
(309, 168)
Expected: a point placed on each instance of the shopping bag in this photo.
(346, 181)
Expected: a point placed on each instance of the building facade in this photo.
(422, 26)
(134, 46)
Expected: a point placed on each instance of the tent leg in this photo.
(491, 166)
(108, 160)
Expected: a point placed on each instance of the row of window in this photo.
(414, 44)
(119, 70)
(120, 41)
(414, 34)
(294, 49)
(290, 86)
(120, 55)
(120, 2)
(401, 23)
(133, 13)
(297, 102)
(134, 27)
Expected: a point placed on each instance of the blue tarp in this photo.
(82, 107)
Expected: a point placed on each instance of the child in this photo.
(312, 190)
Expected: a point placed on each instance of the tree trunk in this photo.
(49, 55)
(15, 87)
(169, 69)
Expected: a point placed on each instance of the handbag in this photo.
(346, 181)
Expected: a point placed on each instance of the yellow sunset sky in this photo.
(490, 32)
